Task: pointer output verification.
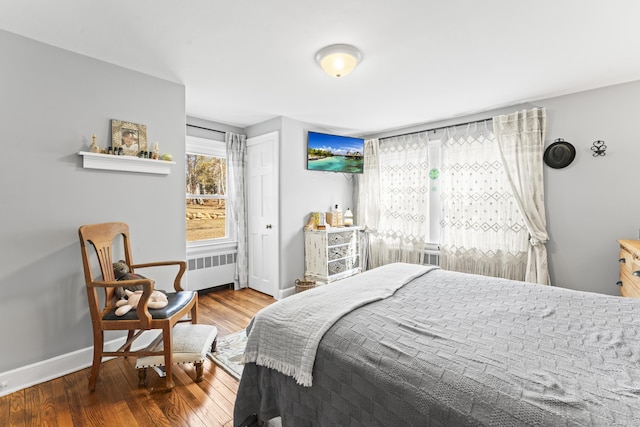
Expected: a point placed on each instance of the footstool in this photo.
(191, 343)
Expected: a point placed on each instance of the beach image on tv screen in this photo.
(335, 153)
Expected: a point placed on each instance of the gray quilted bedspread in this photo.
(454, 349)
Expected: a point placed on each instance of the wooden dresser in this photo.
(629, 260)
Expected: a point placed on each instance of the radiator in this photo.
(432, 257)
(208, 271)
(211, 261)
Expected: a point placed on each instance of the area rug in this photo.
(229, 351)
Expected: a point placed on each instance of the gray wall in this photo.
(51, 102)
(591, 203)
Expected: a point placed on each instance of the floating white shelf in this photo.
(125, 163)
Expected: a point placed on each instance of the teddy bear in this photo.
(122, 272)
(156, 300)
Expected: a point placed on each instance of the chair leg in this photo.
(98, 343)
(214, 345)
(199, 371)
(129, 335)
(194, 311)
(167, 343)
(142, 377)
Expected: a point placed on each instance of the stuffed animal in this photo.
(122, 272)
(156, 300)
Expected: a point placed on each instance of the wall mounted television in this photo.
(334, 153)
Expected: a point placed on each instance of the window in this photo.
(206, 190)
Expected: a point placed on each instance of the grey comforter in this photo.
(453, 349)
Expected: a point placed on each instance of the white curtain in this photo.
(482, 229)
(520, 138)
(367, 191)
(398, 224)
(236, 197)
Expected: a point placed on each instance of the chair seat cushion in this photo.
(191, 343)
(177, 301)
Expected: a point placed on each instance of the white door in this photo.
(262, 207)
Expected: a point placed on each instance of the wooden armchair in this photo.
(101, 238)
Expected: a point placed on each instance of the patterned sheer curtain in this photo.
(520, 138)
(403, 183)
(236, 162)
(483, 231)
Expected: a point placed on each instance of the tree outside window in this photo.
(206, 197)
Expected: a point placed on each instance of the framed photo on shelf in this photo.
(132, 137)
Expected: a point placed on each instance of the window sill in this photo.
(196, 248)
(125, 163)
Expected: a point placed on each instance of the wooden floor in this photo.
(117, 400)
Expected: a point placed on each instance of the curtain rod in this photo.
(200, 127)
(438, 128)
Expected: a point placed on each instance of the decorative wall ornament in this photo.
(560, 154)
(598, 148)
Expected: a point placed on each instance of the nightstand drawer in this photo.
(629, 261)
(337, 252)
(341, 265)
(625, 259)
(630, 285)
(340, 238)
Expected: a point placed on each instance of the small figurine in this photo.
(156, 151)
(94, 144)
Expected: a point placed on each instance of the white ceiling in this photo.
(246, 61)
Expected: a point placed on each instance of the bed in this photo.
(451, 349)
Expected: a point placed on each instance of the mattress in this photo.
(452, 349)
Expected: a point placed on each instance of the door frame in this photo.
(253, 141)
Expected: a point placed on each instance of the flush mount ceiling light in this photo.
(338, 60)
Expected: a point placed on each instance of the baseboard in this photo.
(46, 370)
(283, 293)
(224, 287)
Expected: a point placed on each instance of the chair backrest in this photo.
(101, 238)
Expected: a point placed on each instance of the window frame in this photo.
(212, 148)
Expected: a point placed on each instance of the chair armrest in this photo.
(121, 283)
(177, 280)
